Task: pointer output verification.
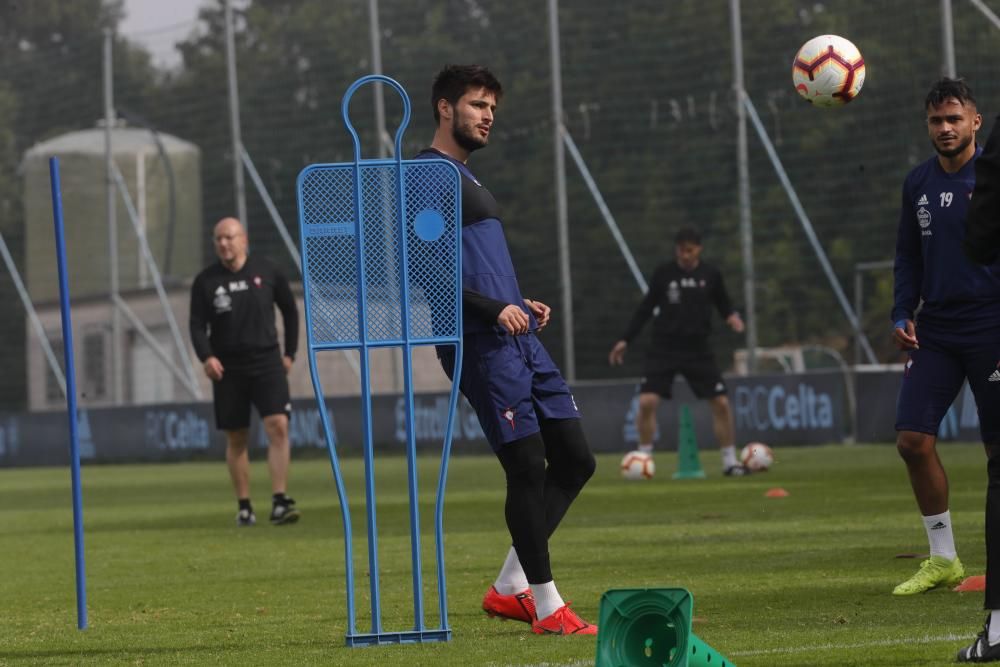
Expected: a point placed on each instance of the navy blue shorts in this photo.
(511, 382)
(932, 378)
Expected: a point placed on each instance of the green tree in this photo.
(648, 99)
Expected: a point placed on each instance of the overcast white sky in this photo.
(158, 24)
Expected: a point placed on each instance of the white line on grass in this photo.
(833, 647)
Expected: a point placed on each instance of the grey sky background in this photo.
(158, 24)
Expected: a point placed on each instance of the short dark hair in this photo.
(687, 235)
(945, 88)
(455, 80)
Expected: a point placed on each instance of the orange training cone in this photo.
(973, 583)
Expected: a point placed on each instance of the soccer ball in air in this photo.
(828, 71)
(638, 465)
(757, 456)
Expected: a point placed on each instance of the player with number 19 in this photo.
(955, 335)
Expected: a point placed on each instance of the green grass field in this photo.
(801, 580)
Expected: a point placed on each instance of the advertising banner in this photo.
(777, 409)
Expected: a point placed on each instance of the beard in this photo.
(952, 152)
(466, 139)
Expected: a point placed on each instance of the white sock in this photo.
(646, 447)
(547, 599)
(729, 456)
(994, 634)
(511, 579)
(939, 535)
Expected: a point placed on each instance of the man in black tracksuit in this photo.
(982, 245)
(681, 296)
(234, 336)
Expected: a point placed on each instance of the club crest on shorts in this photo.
(907, 367)
(508, 414)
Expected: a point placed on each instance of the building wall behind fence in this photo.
(647, 98)
(149, 381)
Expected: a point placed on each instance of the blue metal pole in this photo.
(411, 439)
(74, 440)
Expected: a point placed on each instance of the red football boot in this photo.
(516, 607)
(563, 621)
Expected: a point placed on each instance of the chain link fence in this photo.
(648, 101)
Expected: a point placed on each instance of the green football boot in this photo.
(935, 571)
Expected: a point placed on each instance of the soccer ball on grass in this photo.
(638, 465)
(757, 457)
(828, 71)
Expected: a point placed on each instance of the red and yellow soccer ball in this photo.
(638, 465)
(828, 71)
(757, 457)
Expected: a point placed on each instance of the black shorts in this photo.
(698, 368)
(266, 389)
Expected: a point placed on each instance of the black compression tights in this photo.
(538, 496)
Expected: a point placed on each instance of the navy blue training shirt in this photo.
(961, 299)
(488, 281)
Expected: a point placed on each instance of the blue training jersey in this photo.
(488, 280)
(961, 299)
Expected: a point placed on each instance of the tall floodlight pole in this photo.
(562, 217)
(113, 285)
(947, 40)
(384, 142)
(743, 170)
(234, 118)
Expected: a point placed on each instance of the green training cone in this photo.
(688, 463)
(651, 627)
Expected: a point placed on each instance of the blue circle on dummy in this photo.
(429, 225)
